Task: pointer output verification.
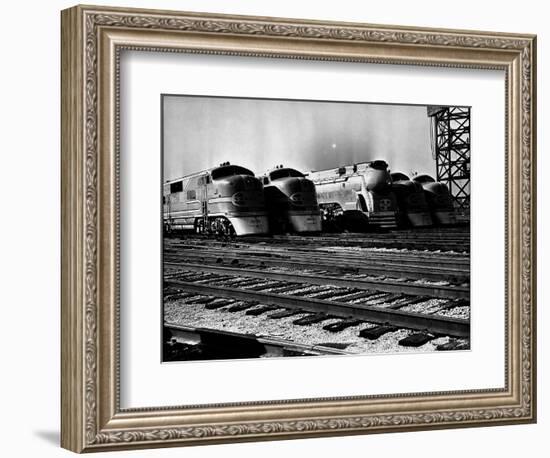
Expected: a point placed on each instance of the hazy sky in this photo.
(202, 132)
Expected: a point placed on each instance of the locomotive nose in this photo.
(377, 180)
(297, 185)
(246, 191)
(301, 191)
(245, 183)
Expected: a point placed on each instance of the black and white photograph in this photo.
(310, 228)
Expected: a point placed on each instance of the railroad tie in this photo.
(203, 277)
(240, 306)
(261, 309)
(243, 283)
(384, 298)
(218, 304)
(224, 278)
(283, 313)
(178, 296)
(328, 294)
(360, 295)
(264, 285)
(284, 289)
(171, 290)
(455, 303)
(413, 300)
(187, 276)
(453, 344)
(322, 292)
(376, 331)
(341, 325)
(202, 300)
(311, 319)
(390, 298)
(417, 339)
(344, 295)
(368, 296)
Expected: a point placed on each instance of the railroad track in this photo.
(462, 234)
(459, 244)
(371, 242)
(234, 345)
(382, 328)
(433, 324)
(375, 302)
(283, 277)
(417, 269)
(417, 265)
(265, 248)
(385, 285)
(402, 236)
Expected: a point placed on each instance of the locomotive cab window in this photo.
(230, 170)
(423, 179)
(379, 165)
(285, 173)
(191, 195)
(176, 187)
(398, 176)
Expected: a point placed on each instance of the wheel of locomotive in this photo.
(332, 218)
(199, 226)
(222, 226)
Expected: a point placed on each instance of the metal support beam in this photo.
(451, 149)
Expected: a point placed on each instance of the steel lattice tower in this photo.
(451, 150)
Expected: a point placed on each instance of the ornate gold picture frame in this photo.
(92, 40)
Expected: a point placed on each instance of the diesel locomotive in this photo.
(439, 200)
(413, 209)
(358, 195)
(225, 200)
(291, 201)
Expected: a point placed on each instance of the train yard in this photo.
(299, 295)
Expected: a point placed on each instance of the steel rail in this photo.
(263, 250)
(461, 246)
(379, 268)
(431, 323)
(386, 256)
(390, 236)
(366, 242)
(438, 291)
(181, 332)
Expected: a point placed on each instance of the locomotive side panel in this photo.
(183, 203)
(357, 195)
(225, 200)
